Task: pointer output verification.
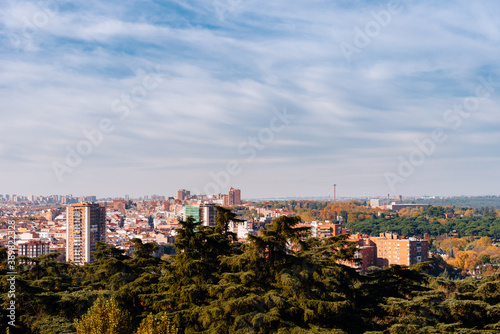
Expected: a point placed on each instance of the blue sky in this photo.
(208, 83)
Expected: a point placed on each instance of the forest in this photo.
(281, 281)
(470, 201)
(434, 221)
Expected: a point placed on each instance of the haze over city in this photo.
(276, 98)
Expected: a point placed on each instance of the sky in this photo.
(277, 98)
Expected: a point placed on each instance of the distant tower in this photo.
(334, 192)
(234, 197)
(400, 199)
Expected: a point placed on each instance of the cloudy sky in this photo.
(277, 98)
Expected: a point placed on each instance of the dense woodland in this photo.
(279, 282)
(435, 221)
(469, 201)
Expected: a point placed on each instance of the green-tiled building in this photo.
(193, 211)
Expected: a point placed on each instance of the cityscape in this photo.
(88, 236)
(249, 167)
(73, 231)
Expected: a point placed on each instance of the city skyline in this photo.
(277, 99)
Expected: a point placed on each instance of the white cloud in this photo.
(222, 81)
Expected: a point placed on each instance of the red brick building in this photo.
(33, 248)
(387, 249)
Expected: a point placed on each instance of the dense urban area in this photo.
(194, 263)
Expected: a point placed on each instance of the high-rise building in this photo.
(85, 226)
(234, 197)
(208, 214)
(204, 213)
(182, 194)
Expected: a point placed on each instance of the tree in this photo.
(104, 317)
(225, 217)
(143, 250)
(157, 324)
(277, 241)
(484, 241)
(108, 251)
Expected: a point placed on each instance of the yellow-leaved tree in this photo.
(105, 316)
(157, 324)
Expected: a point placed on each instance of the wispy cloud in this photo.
(222, 81)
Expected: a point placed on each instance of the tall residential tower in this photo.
(234, 197)
(85, 226)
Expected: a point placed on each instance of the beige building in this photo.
(208, 214)
(392, 249)
(85, 226)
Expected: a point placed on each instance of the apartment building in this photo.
(366, 253)
(393, 249)
(234, 197)
(387, 249)
(204, 213)
(85, 226)
(208, 212)
(33, 248)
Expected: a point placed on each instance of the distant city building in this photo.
(193, 211)
(374, 202)
(225, 200)
(204, 213)
(366, 253)
(120, 205)
(387, 249)
(325, 230)
(208, 212)
(392, 249)
(398, 207)
(234, 197)
(33, 248)
(85, 226)
(182, 194)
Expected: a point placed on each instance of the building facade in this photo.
(183, 194)
(33, 248)
(392, 249)
(387, 249)
(120, 205)
(234, 197)
(208, 214)
(193, 211)
(204, 213)
(85, 226)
